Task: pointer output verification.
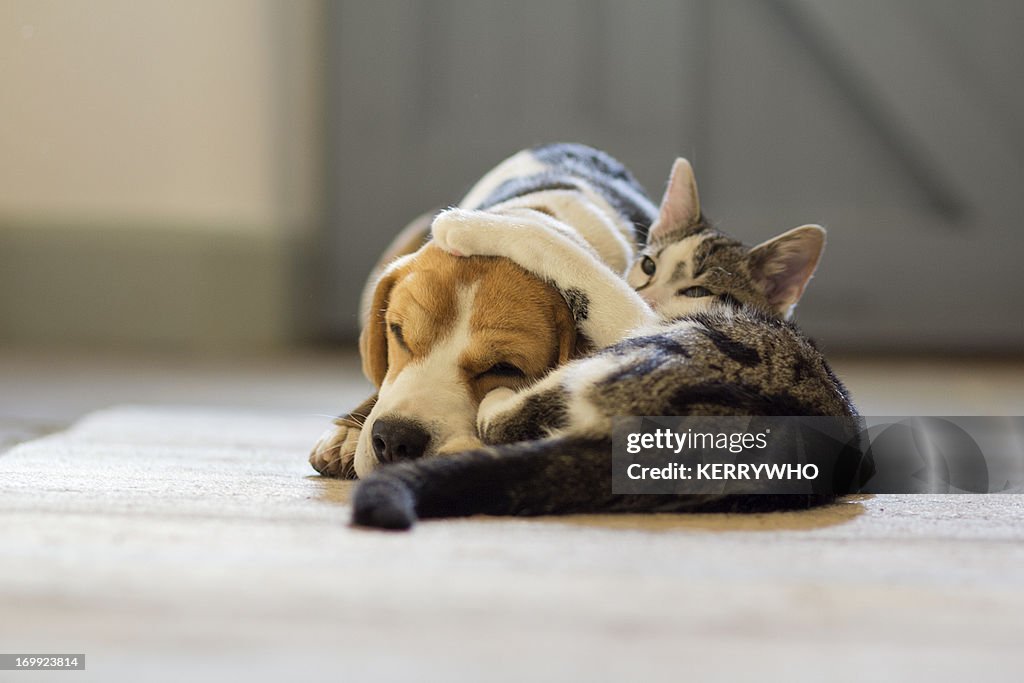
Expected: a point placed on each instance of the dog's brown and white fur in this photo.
(440, 332)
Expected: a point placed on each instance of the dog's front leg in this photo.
(334, 454)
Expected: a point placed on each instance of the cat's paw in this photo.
(459, 234)
(496, 402)
(334, 454)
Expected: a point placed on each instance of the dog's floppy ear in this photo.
(571, 344)
(373, 341)
(409, 241)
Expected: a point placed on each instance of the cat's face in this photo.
(687, 266)
(690, 274)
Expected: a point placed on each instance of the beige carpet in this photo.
(193, 544)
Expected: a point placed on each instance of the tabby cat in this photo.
(717, 341)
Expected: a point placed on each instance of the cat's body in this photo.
(716, 342)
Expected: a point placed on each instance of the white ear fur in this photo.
(783, 265)
(680, 207)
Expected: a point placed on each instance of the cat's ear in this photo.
(680, 207)
(783, 265)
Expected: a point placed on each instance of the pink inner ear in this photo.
(680, 203)
(793, 269)
(680, 206)
(785, 287)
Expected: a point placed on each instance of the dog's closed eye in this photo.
(503, 370)
(396, 331)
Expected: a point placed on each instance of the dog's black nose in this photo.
(396, 439)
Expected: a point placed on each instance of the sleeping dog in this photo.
(440, 332)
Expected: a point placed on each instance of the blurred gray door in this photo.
(897, 125)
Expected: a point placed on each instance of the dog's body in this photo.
(440, 331)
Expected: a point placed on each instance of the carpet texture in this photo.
(173, 544)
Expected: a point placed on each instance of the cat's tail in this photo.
(550, 476)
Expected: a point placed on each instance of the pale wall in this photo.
(181, 134)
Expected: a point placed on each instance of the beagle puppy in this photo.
(440, 332)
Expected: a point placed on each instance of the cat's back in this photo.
(731, 361)
(568, 166)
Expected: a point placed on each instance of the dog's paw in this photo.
(334, 454)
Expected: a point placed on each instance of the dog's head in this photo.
(442, 331)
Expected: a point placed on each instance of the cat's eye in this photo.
(503, 370)
(648, 265)
(695, 292)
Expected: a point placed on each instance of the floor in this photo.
(180, 535)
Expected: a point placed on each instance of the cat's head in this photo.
(688, 266)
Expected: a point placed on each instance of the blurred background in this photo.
(217, 178)
(224, 174)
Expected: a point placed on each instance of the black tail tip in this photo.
(382, 502)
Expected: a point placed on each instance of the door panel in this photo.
(896, 125)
